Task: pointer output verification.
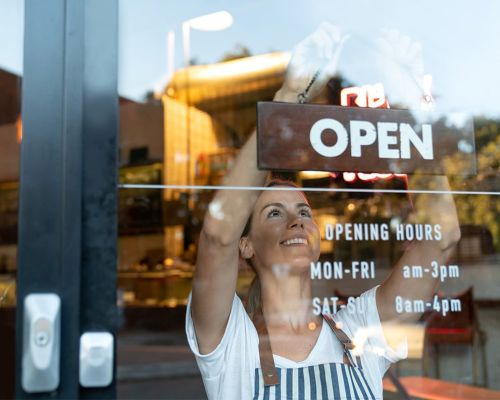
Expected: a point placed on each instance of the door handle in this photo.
(41, 342)
(96, 359)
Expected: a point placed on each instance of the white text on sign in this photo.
(393, 139)
(336, 270)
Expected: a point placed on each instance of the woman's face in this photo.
(283, 232)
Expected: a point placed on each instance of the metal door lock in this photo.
(96, 359)
(41, 342)
(42, 339)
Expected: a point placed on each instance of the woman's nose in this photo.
(296, 222)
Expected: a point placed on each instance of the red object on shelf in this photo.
(434, 389)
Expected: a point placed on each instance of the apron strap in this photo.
(269, 374)
(344, 339)
(267, 366)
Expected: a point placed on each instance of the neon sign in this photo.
(372, 177)
(371, 96)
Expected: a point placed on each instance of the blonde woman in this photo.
(283, 350)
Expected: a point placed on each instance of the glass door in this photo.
(10, 137)
(117, 226)
(58, 199)
(191, 80)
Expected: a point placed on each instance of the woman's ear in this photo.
(246, 248)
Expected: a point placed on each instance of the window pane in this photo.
(419, 81)
(11, 28)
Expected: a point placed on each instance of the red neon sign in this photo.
(372, 177)
(371, 96)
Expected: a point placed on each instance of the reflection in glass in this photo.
(206, 120)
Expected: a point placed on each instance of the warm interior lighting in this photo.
(168, 262)
(239, 68)
(206, 81)
(314, 174)
(19, 128)
(312, 326)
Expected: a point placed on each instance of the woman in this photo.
(284, 350)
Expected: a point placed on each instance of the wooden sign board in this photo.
(301, 137)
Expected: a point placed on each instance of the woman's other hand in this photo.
(313, 63)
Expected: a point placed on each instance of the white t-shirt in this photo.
(228, 372)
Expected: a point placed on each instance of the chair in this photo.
(393, 384)
(455, 328)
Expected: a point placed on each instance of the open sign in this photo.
(332, 138)
(393, 140)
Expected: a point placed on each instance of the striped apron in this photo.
(324, 381)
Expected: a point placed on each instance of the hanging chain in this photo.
(302, 97)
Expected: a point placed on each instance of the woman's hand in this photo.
(403, 70)
(312, 65)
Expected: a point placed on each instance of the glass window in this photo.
(10, 138)
(420, 81)
(387, 174)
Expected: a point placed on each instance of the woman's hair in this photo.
(254, 300)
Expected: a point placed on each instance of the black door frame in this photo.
(68, 180)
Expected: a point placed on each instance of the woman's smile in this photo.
(295, 241)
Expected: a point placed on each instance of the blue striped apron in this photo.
(324, 381)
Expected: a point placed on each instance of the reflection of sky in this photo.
(459, 40)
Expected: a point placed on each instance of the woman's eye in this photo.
(305, 213)
(274, 213)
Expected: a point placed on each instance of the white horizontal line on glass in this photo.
(301, 189)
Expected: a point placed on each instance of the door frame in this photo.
(67, 240)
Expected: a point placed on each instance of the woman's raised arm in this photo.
(437, 209)
(214, 281)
